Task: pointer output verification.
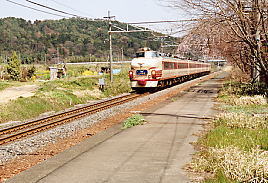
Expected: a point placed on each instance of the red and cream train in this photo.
(149, 70)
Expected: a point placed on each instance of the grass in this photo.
(26, 108)
(120, 84)
(244, 139)
(86, 83)
(61, 94)
(220, 178)
(133, 121)
(236, 148)
(236, 165)
(248, 109)
(4, 85)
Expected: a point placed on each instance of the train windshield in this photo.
(140, 54)
(147, 54)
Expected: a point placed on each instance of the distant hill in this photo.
(73, 38)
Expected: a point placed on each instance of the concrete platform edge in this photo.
(37, 172)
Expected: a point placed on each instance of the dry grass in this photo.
(235, 150)
(242, 120)
(237, 165)
(248, 100)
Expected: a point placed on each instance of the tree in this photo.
(13, 67)
(242, 22)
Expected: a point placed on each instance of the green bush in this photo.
(13, 67)
(133, 121)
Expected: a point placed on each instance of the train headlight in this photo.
(153, 73)
(130, 73)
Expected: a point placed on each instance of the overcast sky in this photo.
(124, 10)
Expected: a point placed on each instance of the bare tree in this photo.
(242, 27)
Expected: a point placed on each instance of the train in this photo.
(152, 70)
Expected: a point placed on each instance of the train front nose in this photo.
(142, 82)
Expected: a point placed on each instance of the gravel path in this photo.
(32, 144)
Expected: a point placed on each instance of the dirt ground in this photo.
(16, 92)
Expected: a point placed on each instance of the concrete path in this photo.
(155, 152)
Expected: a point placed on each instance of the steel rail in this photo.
(36, 126)
(55, 116)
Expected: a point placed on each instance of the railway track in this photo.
(32, 127)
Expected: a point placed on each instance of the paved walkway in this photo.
(155, 152)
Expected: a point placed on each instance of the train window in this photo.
(182, 65)
(140, 54)
(172, 65)
(151, 54)
(166, 65)
(175, 65)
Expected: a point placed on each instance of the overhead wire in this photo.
(53, 9)
(64, 12)
(66, 6)
(25, 6)
(165, 21)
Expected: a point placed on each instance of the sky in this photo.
(123, 10)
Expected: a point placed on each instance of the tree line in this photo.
(74, 39)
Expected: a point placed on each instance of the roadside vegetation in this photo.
(235, 149)
(4, 85)
(79, 87)
(133, 121)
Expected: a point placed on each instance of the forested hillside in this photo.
(73, 38)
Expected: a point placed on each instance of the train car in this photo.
(150, 70)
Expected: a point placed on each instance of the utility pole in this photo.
(45, 59)
(109, 17)
(129, 29)
(122, 53)
(58, 55)
(162, 45)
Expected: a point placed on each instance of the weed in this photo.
(4, 85)
(242, 120)
(61, 94)
(236, 165)
(220, 178)
(247, 109)
(236, 149)
(133, 121)
(121, 84)
(25, 108)
(245, 139)
(239, 88)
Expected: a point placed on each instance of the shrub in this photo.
(13, 67)
(133, 121)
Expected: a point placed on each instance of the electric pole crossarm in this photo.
(118, 28)
(129, 31)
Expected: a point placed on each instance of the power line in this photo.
(71, 8)
(35, 9)
(52, 8)
(165, 21)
